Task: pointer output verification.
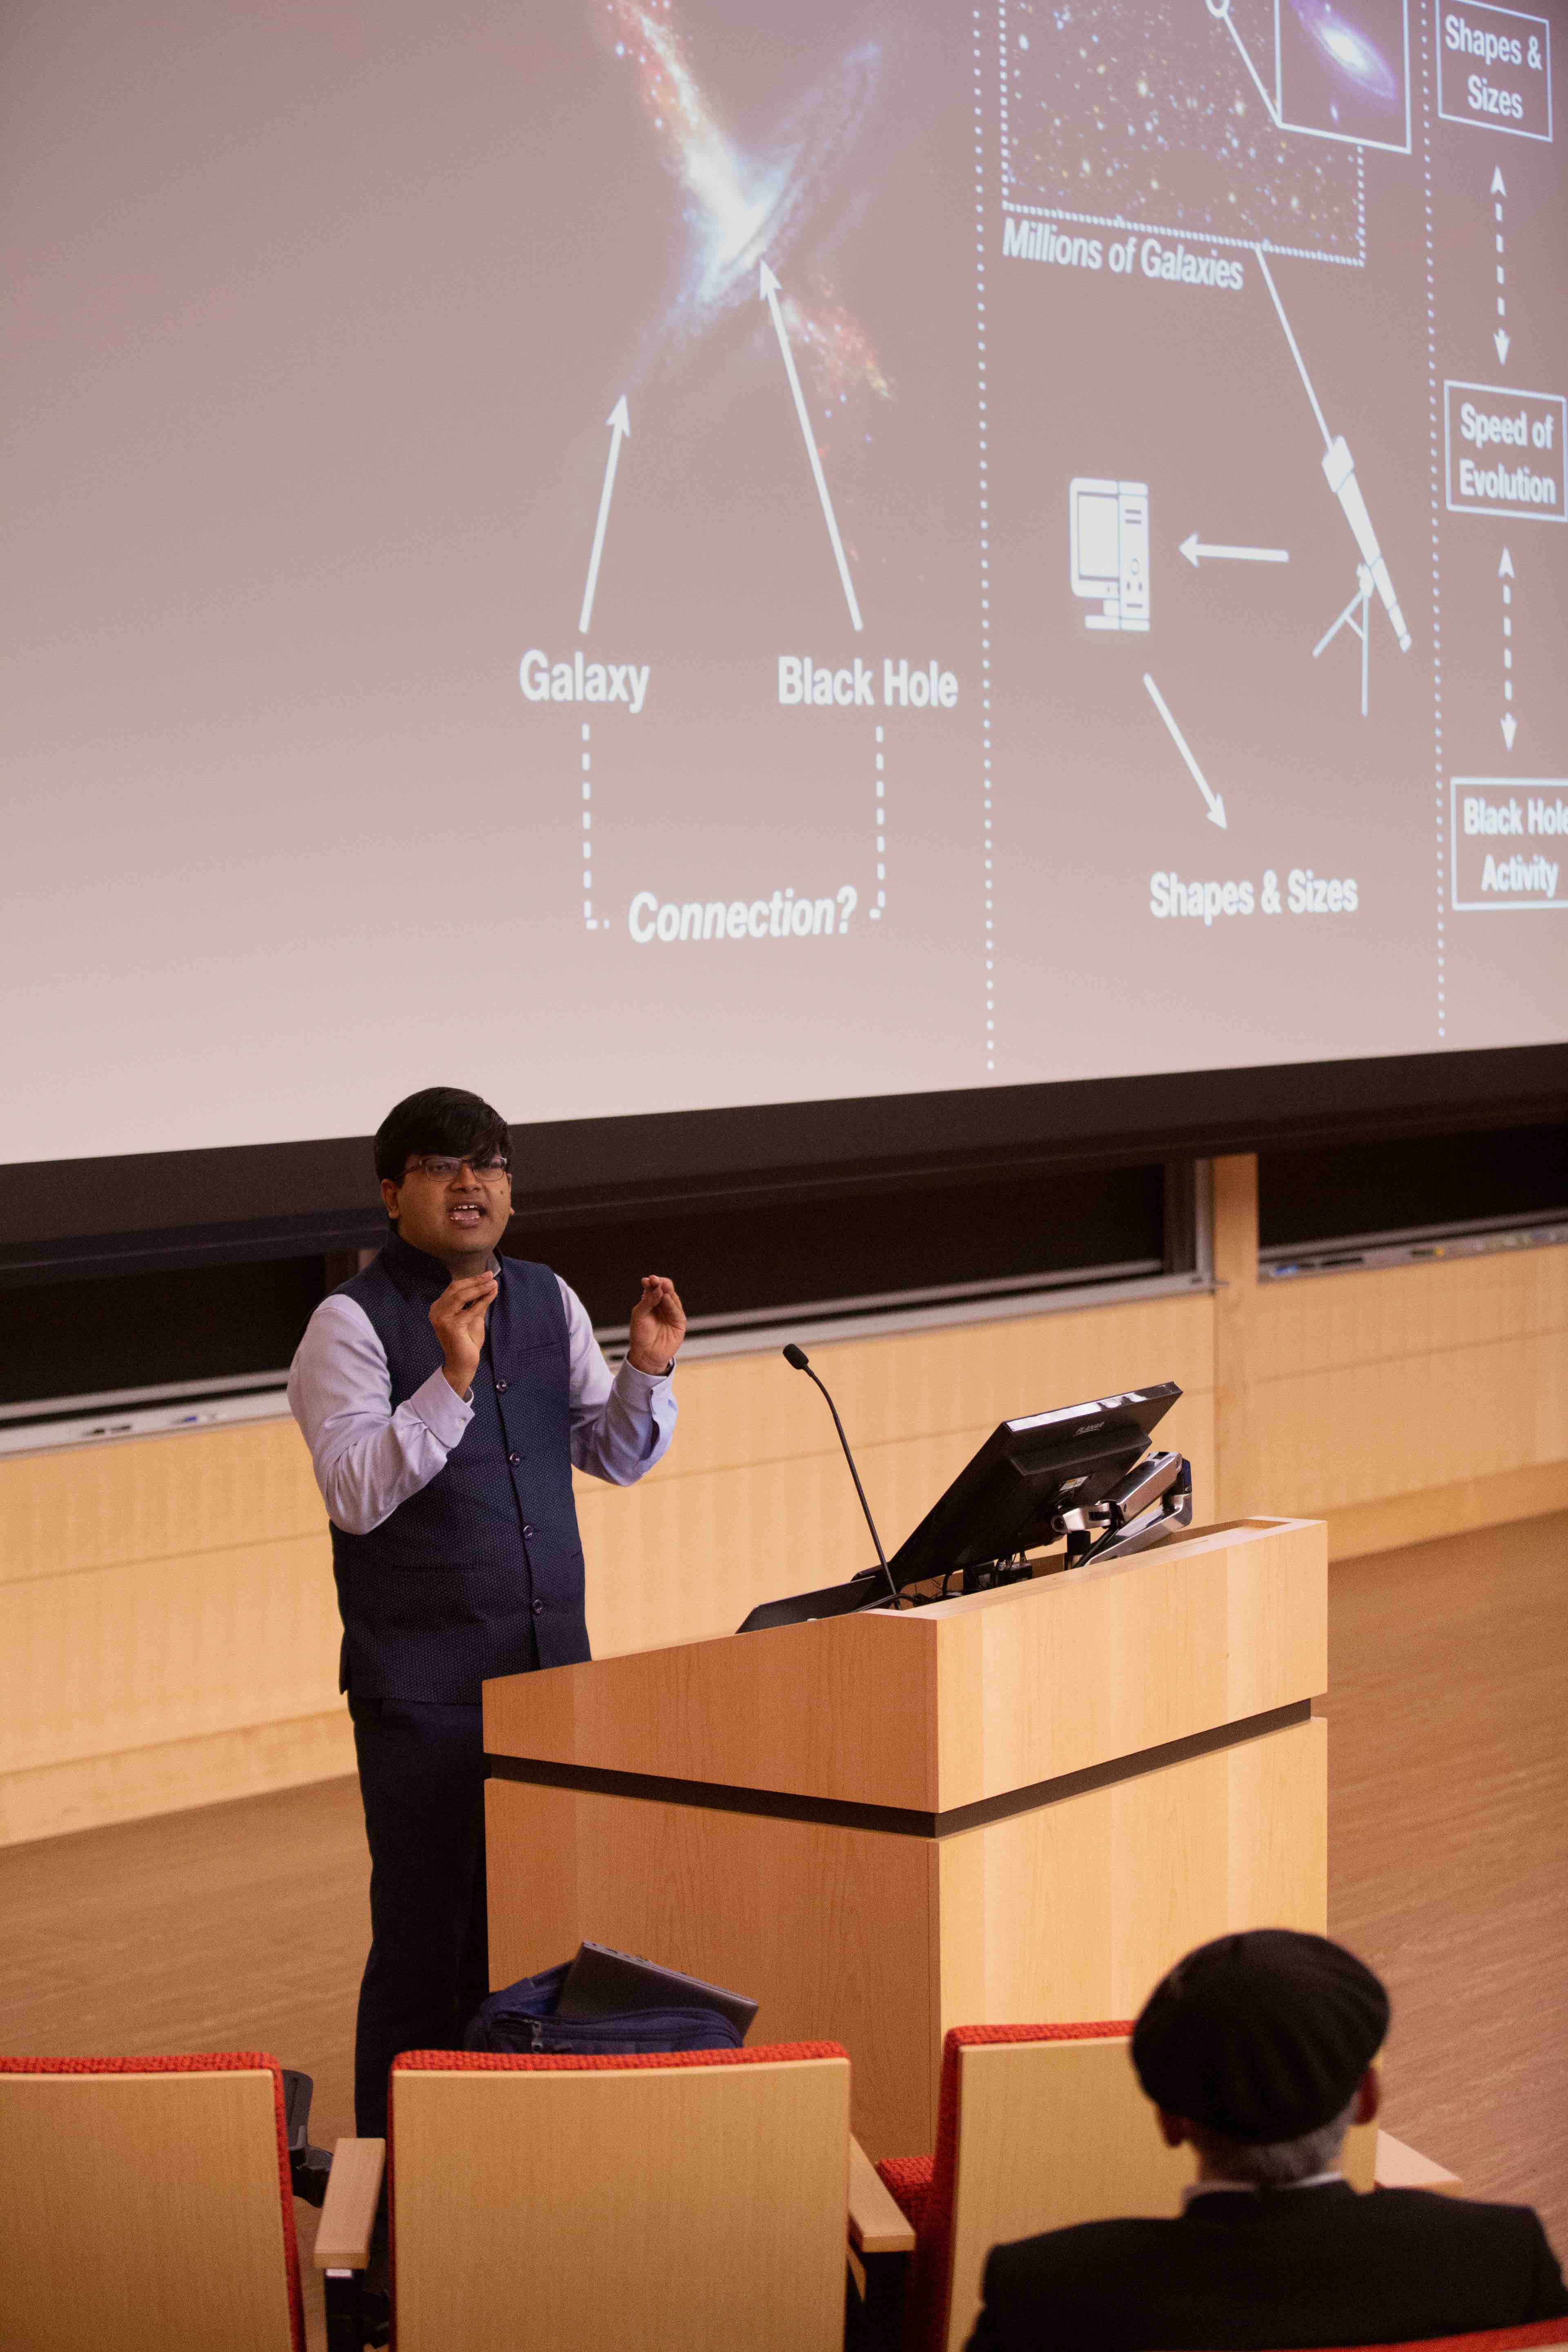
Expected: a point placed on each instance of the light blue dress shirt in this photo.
(369, 1458)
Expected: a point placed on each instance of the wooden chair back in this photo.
(687, 2203)
(145, 2204)
(1050, 2127)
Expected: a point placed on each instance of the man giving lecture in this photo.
(446, 1394)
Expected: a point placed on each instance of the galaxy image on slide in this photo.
(1148, 115)
(783, 200)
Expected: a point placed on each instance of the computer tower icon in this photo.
(1109, 540)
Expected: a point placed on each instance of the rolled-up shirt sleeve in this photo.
(367, 1458)
(621, 1425)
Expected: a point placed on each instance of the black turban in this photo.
(1262, 2036)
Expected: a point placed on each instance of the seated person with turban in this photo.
(1258, 2051)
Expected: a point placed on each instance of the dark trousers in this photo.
(422, 1778)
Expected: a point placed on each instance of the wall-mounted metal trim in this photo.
(180, 1416)
(1424, 1245)
(761, 1339)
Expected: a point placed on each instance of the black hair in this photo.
(437, 1119)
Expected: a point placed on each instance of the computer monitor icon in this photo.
(1109, 526)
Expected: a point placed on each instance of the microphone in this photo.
(801, 1362)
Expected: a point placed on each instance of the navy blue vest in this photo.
(480, 1573)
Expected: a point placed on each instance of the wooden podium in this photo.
(1014, 1806)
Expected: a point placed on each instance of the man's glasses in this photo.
(490, 1167)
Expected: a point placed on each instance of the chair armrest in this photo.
(348, 2217)
(877, 2225)
(1398, 2167)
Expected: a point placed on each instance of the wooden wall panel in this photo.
(155, 1498)
(1458, 1508)
(171, 1600)
(1381, 1314)
(745, 1409)
(126, 1657)
(171, 1632)
(132, 1784)
(1395, 1402)
(1328, 1439)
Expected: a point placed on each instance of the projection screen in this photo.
(654, 555)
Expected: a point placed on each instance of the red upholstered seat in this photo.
(909, 2178)
(923, 2185)
(1485, 2339)
(490, 2062)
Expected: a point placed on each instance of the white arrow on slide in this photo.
(1509, 728)
(1501, 340)
(769, 289)
(620, 426)
(1193, 547)
(1216, 805)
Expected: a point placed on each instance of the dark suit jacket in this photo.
(1303, 2266)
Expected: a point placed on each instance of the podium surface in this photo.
(1012, 1806)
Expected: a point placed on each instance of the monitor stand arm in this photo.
(1151, 1502)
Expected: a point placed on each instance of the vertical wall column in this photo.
(1235, 1303)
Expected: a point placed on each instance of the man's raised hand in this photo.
(457, 1319)
(658, 1324)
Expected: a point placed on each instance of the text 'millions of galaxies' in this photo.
(1176, 265)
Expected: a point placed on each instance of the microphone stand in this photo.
(801, 1362)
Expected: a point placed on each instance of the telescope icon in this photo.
(1339, 471)
(1371, 572)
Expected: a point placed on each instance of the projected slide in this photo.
(664, 554)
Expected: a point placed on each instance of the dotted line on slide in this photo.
(983, 397)
(1507, 647)
(882, 824)
(1497, 215)
(1005, 140)
(1361, 204)
(589, 920)
(1433, 421)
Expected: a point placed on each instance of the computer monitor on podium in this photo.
(1084, 1471)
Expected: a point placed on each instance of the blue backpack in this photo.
(522, 2018)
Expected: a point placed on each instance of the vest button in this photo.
(501, 1386)
(539, 1608)
(514, 1459)
(526, 1528)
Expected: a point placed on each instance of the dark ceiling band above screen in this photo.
(270, 1201)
